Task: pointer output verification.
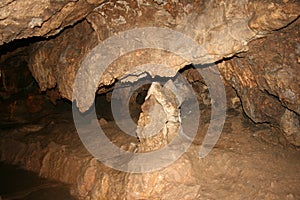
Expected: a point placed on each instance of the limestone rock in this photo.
(160, 120)
(61, 62)
(223, 29)
(177, 182)
(266, 79)
(24, 19)
(290, 124)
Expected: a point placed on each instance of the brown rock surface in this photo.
(256, 46)
(266, 79)
(160, 120)
(240, 166)
(210, 24)
(23, 19)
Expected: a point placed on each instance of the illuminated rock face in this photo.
(255, 45)
(266, 79)
(25, 19)
(160, 120)
(264, 74)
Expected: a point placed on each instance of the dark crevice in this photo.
(26, 42)
(281, 103)
(286, 26)
(18, 43)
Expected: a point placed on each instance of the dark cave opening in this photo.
(37, 129)
(33, 105)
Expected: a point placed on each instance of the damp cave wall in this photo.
(255, 44)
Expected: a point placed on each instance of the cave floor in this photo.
(17, 183)
(250, 161)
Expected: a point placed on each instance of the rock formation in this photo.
(254, 44)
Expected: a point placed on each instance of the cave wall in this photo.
(23, 19)
(266, 79)
(258, 39)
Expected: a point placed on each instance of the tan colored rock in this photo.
(62, 60)
(159, 121)
(87, 179)
(290, 124)
(239, 165)
(177, 182)
(266, 79)
(56, 61)
(279, 12)
(102, 122)
(24, 19)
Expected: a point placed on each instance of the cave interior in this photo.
(150, 99)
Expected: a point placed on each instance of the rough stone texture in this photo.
(208, 23)
(266, 79)
(160, 184)
(160, 120)
(266, 92)
(58, 64)
(23, 19)
(240, 166)
(14, 73)
(158, 125)
(223, 28)
(201, 90)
